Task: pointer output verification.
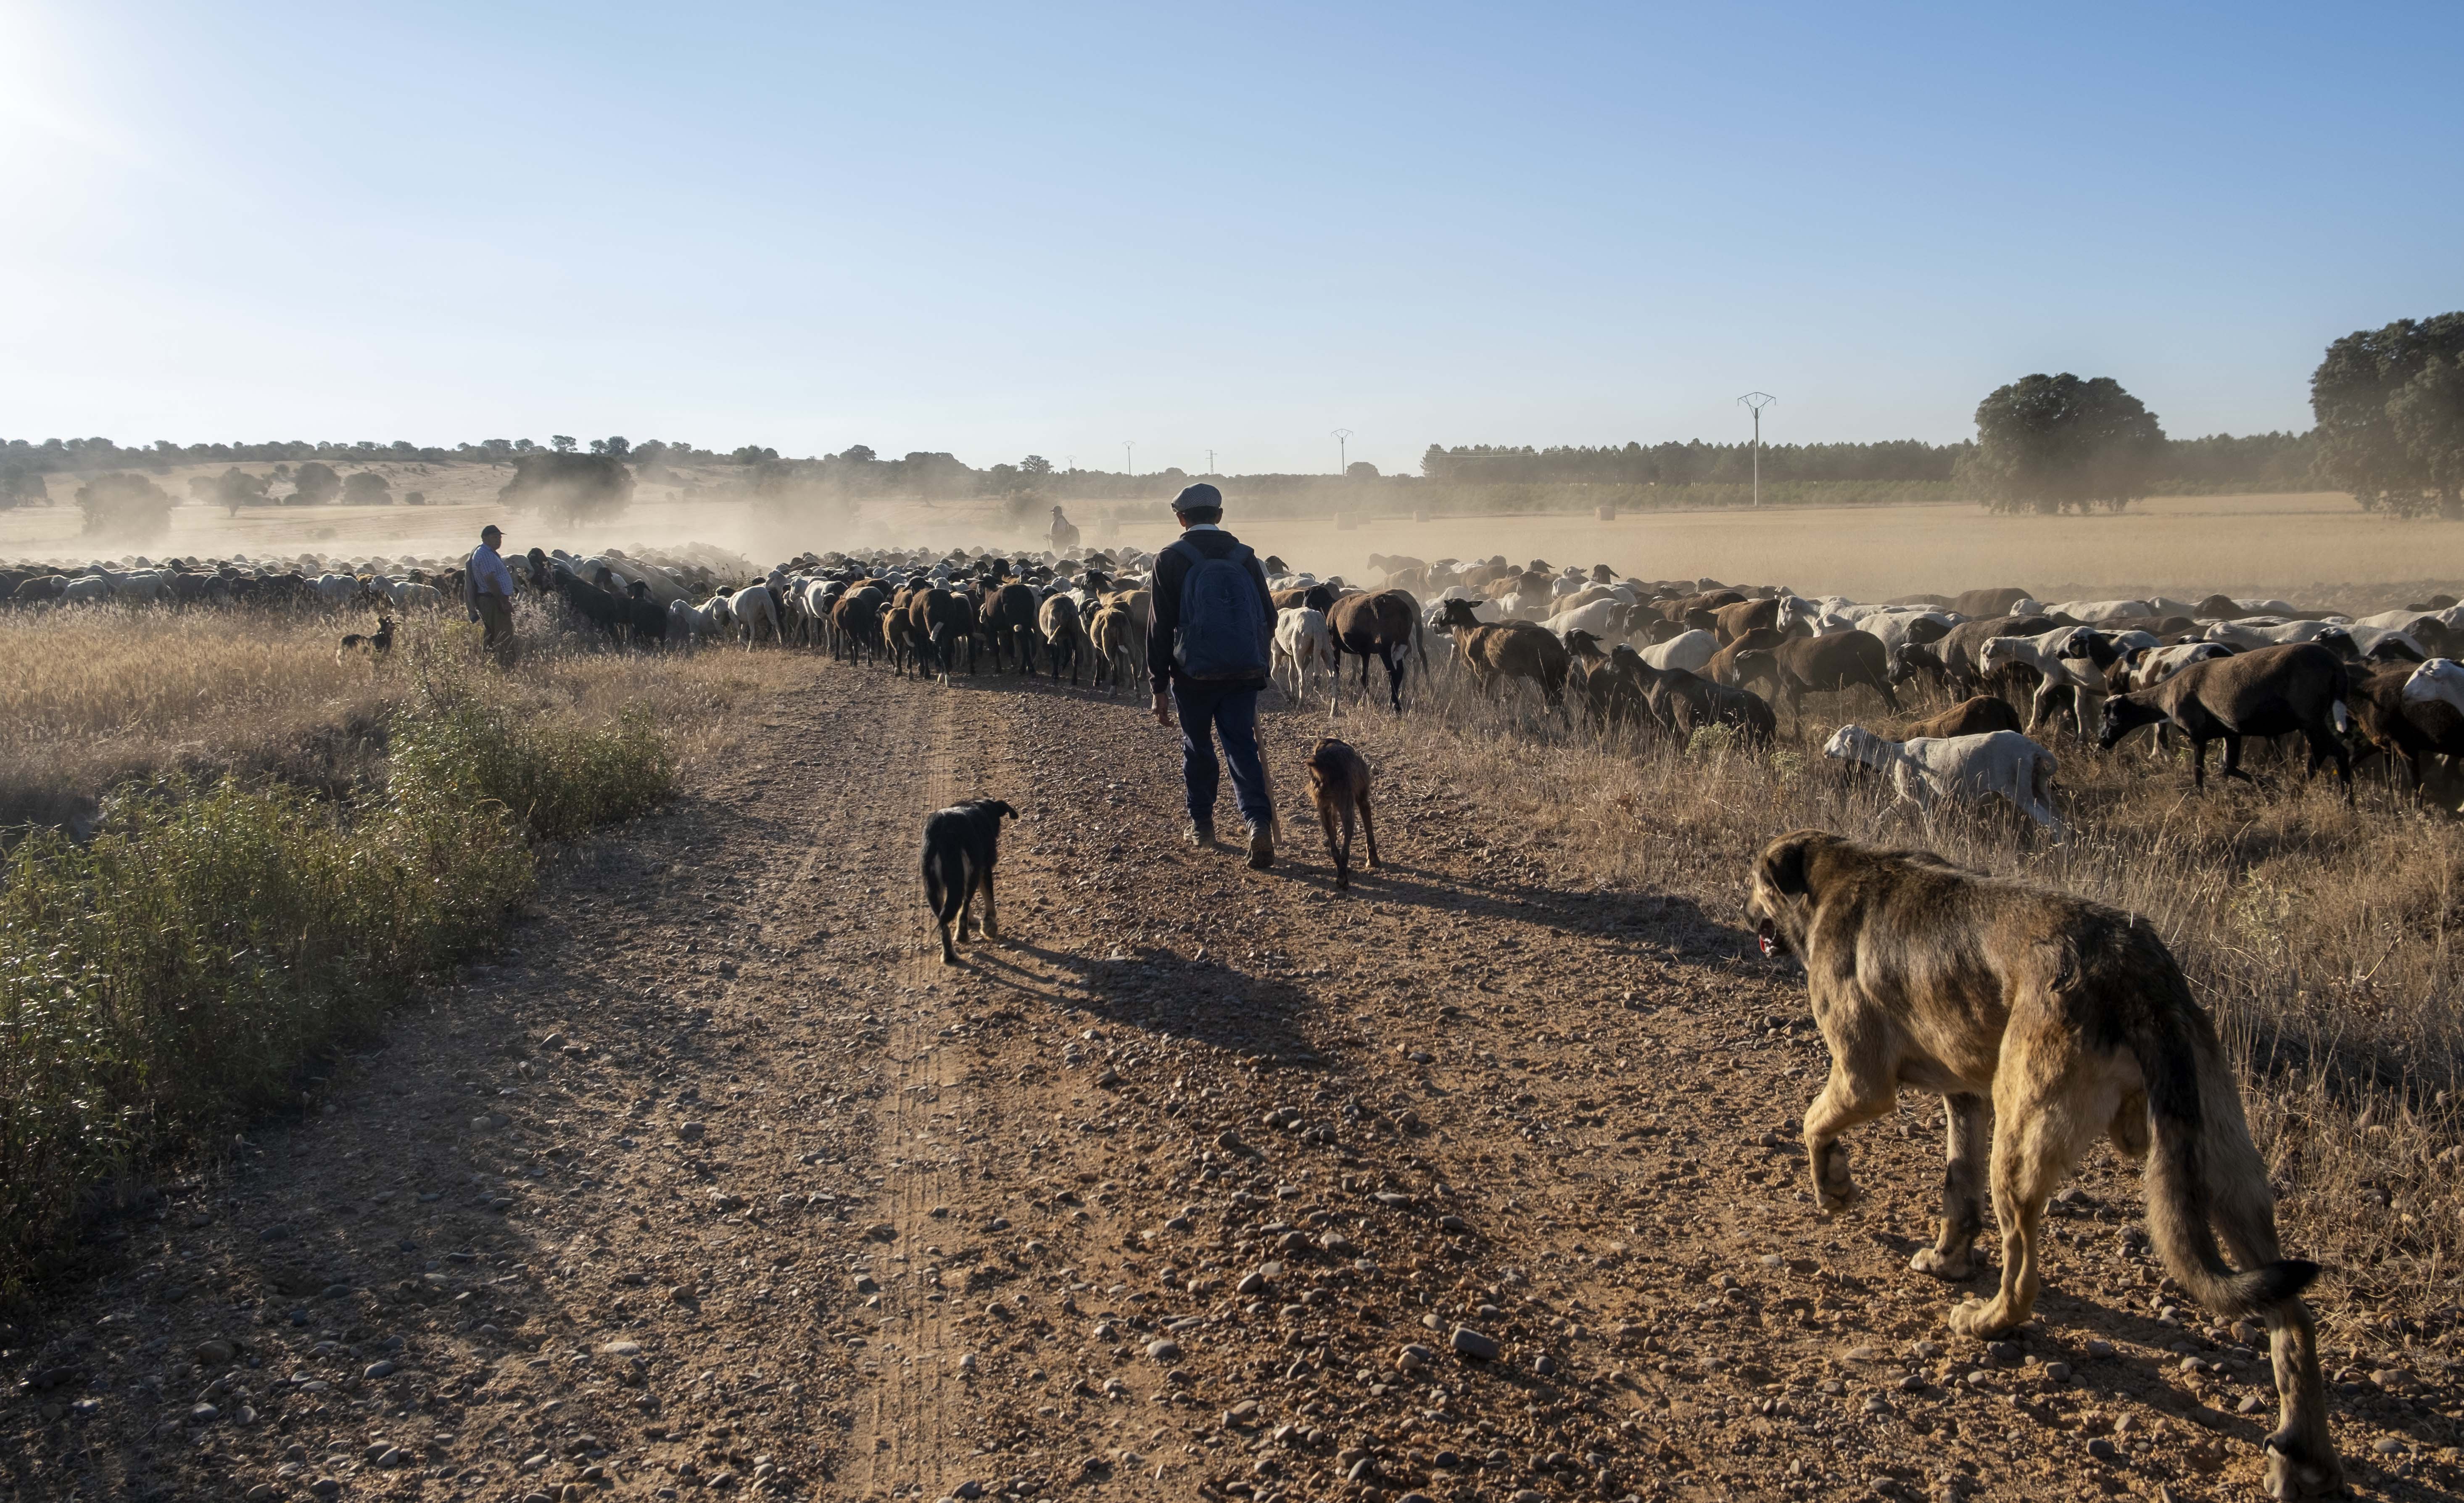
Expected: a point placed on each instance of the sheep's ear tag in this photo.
(1768, 948)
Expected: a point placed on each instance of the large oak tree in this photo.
(2051, 443)
(2389, 403)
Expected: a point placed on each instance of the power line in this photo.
(1757, 401)
(1342, 450)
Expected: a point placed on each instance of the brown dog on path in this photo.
(1339, 783)
(2044, 1023)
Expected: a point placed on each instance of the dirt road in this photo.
(1199, 1182)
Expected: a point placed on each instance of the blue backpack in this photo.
(1222, 622)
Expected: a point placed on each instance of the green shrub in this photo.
(560, 780)
(169, 977)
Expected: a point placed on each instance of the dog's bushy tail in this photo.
(2195, 1127)
(945, 880)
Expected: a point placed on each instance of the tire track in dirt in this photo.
(908, 1432)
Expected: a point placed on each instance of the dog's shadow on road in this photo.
(1664, 919)
(1202, 1001)
(2063, 1324)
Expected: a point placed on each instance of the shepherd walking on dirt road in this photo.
(1214, 626)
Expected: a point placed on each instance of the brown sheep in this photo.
(1682, 702)
(2272, 691)
(1722, 669)
(1958, 649)
(1981, 716)
(1513, 650)
(1780, 613)
(1684, 606)
(1107, 641)
(1384, 626)
(1821, 665)
(1065, 634)
(1997, 601)
(2416, 730)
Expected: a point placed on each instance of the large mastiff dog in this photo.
(2043, 1020)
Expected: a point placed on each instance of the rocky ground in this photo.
(1198, 1182)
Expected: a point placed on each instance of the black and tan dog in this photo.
(960, 845)
(1338, 778)
(376, 644)
(2043, 1022)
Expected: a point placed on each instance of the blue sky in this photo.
(1003, 228)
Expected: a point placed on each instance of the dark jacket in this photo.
(1171, 569)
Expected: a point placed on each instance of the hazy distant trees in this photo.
(1690, 463)
(367, 488)
(568, 486)
(563, 442)
(2389, 404)
(1360, 469)
(2050, 443)
(22, 485)
(235, 488)
(612, 448)
(122, 505)
(313, 485)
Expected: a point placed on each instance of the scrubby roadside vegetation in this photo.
(173, 961)
(101, 696)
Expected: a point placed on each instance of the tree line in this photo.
(2258, 462)
(2387, 404)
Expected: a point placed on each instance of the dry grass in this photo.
(95, 698)
(2323, 940)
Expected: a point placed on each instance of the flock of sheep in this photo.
(1635, 655)
(1650, 656)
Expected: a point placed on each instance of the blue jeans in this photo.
(1207, 710)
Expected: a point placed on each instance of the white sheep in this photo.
(1303, 641)
(2050, 655)
(2002, 764)
(1690, 651)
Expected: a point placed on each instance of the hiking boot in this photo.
(1262, 847)
(1200, 837)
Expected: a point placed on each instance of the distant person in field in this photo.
(488, 591)
(1064, 537)
(1214, 624)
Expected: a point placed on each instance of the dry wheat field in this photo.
(703, 1172)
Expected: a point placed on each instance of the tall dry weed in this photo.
(92, 698)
